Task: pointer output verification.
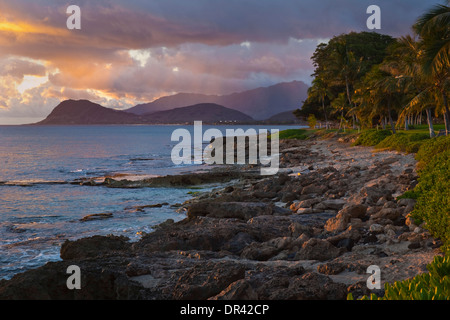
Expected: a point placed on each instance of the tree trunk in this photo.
(430, 122)
(390, 118)
(447, 123)
(446, 114)
(406, 122)
(349, 97)
(391, 122)
(347, 86)
(325, 114)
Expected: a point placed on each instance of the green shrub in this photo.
(437, 170)
(405, 142)
(433, 203)
(312, 121)
(410, 194)
(432, 147)
(433, 285)
(371, 137)
(300, 134)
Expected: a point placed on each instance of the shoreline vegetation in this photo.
(432, 209)
(309, 232)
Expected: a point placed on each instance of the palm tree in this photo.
(380, 93)
(405, 60)
(389, 87)
(339, 104)
(346, 67)
(344, 70)
(424, 100)
(320, 90)
(366, 106)
(433, 28)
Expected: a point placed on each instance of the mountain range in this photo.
(260, 103)
(76, 112)
(271, 104)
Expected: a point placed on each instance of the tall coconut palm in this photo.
(423, 101)
(339, 104)
(366, 106)
(383, 92)
(433, 28)
(345, 70)
(346, 67)
(389, 87)
(406, 60)
(320, 90)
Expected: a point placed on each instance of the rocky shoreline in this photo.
(309, 232)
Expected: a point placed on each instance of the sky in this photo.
(131, 52)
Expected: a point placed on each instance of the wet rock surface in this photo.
(309, 232)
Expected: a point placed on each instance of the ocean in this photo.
(40, 208)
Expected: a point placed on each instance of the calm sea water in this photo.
(39, 209)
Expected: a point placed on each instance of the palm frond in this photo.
(437, 17)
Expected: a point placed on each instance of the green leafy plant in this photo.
(410, 194)
(312, 121)
(432, 285)
(300, 134)
(433, 203)
(430, 148)
(371, 137)
(405, 142)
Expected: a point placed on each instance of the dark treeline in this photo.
(367, 79)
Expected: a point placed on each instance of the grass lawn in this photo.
(299, 134)
(404, 140)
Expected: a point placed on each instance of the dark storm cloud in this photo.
(143, 24)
